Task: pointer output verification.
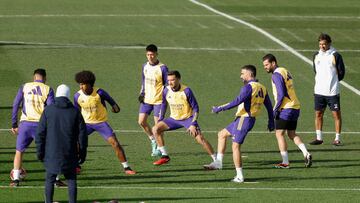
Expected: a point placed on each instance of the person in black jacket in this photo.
(61, 142)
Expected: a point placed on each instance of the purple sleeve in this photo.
(76, 97)
(164, 71)
(280, 89)
(16, 104)
(192, 100)
(163, 105)
(245, 93)
(50, 98)
(142, 91)
(268, 106)
(106, 97)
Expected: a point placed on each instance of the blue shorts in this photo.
(240, 127)
(26, 135)
(148, 108)
(103, 129)
(176, 124)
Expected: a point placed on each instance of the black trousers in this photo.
(71, 182)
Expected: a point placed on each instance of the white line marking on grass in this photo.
(225, 25)
(270, 36)
(21, 44)
(102, 15)
(215, 131)
(330, 18)
(193, 188)
(292, 34)
(202, 26)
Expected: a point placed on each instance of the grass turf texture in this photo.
(112, 47)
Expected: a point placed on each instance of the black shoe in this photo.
(15, 183)
(337, 143)
(59, 183)
(316, 142)
(308, 160)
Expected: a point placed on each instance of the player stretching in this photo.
(150, 98)
(33, 97)
(286, 110)
(249, 103)
(91, 101)
(184, 111)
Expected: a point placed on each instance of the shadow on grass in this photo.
(144, 199)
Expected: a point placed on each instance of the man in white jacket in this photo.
(329, 71)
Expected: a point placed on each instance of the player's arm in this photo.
(83, 138)
(50, 98)
(40, 137)
(281, 92)
(268, 106)
(245, 93)
(340, 67)
(106, 97)
(142, 90)
(76, 98)
(19, 98)
(164, 71)
(163, 105)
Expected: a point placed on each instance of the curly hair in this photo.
(85, 77)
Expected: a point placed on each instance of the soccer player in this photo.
(184, 111)
(91, 101)
(286, 110)
(249, 102)
(329, 71)
(152, 84)
(33, 97)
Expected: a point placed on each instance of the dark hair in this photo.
(250, 68)
(41, 72)
(152, 48)
(176, 73)
(271, 58)
(85, 77)
(324, 36)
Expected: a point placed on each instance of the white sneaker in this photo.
(237, 180)
(215, 165)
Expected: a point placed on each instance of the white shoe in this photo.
(215, 165)
(237, 180)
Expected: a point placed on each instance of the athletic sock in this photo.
(213, 156)
(285, 157)
(219, 157)
(303, 149)
(16, 174)
(125, 164)
(58, 177)
(319, 135)
(239, 173)
(163, 150)
(337, 136)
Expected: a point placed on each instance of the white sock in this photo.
(16, 174)
(213, 156)
(163, 150)
(219, 157)
(58, 177)
(285, 157)
(318, 134)
(303, 149)
(239, 173)
(337, 136)
(125, 164)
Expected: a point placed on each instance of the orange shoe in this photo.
(129, 171)
(281, 165)
(162, 160)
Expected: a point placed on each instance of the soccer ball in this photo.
(22, 174)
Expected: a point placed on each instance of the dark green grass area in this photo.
(208, 50)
